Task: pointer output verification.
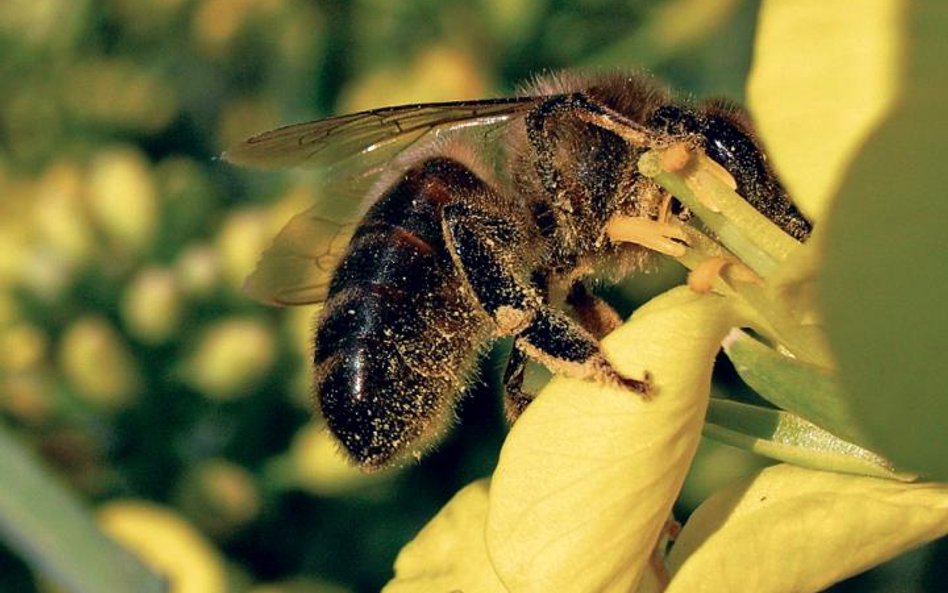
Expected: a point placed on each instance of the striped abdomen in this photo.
(399, 333)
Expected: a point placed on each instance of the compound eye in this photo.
(729, 145)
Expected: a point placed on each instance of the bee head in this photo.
(727, 137)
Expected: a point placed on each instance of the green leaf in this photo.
(790, 529)
(51, 531)
(449, 554)
(588, 475)
(807, 390)
(786, 437)
(884, 286)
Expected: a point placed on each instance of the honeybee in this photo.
(450, 251)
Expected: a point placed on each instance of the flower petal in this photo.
(449, 554)
(824, 74)
(588, 475)
(790, 529)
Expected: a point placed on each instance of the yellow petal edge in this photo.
(449, 554)
(791, 529)
(824, 75)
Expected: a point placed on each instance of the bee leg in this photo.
(593, 313)
(560, 344)
(485, 248)
(516, 399)
(478, 243)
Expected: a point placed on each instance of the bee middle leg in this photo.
(516, 399)
(485, 249)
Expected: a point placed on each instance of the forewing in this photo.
(355, 150)
(327, 142)
(297, 268)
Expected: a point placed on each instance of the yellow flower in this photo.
(167, 543)
(231, 357)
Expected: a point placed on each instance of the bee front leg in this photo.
(485, 249)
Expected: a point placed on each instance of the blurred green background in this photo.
(131, 362)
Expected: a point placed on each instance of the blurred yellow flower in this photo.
(167, 543)
(98, 364)
(437, 73)
(28, 397)
(118, 92)
(123, 200)
(59, 212)
(318, 466)
(231, 357)
(198, 270)
(151, 305)
(218, 22)
(243, 236)
(220, 496)
(22, 346)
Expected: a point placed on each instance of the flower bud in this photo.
(98, 364)
(232, 356)
(220, 496)
(123, 200)
(151, 306)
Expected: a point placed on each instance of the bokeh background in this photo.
(130, 360)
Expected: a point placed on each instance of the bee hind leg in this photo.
(551, 342)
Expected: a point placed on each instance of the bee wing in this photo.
(297, 267)
(327, 142)
(356, 150)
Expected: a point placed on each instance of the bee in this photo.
(447, 251)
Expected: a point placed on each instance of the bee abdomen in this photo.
(398, 335)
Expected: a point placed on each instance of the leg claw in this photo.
(644, 386)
